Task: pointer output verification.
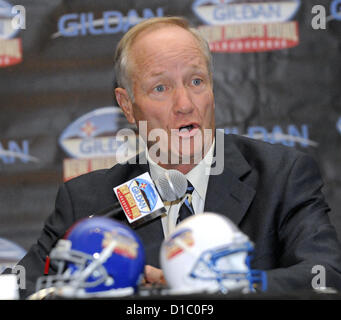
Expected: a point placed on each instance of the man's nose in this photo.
(182, 100)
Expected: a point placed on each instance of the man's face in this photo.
(172, 90)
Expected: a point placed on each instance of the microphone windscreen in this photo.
(172, 185)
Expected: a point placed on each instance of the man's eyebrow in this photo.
(157, 74)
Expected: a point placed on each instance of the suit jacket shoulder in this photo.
(93, 191)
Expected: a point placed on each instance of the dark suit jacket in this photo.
(271, 192)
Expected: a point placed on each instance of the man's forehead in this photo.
(164, 37)
(168, 44)
(161, 29)
(156, 51)
(193, 67)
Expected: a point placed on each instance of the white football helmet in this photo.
(208, 253)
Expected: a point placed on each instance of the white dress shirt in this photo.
(198, 176)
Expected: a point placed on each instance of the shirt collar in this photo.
(197, 176)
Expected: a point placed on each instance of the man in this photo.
(272, 193)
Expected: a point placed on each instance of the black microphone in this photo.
(110, 211)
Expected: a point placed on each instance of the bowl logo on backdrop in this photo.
(248, 26)
(10, 47)
(93, 141)
(93, 134)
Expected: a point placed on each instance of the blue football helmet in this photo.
(208, 253)
(97, 257)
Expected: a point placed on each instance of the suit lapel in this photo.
(227, 194)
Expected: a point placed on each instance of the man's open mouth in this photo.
(189, 127)
(188, 130)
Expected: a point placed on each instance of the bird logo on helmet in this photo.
(208, 253)
(97, 257)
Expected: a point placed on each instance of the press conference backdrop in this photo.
(277, 78)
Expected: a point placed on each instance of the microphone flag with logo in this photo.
(139, 199)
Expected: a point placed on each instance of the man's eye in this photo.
(160, 88)
(196, 82)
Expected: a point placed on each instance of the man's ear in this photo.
(125, 103)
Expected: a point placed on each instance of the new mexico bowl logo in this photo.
(222, 12)
(144, 195)
(137, 198)
(93, 134)
(178, 242)
(125, 245)
(248, 25)
(10, 47)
